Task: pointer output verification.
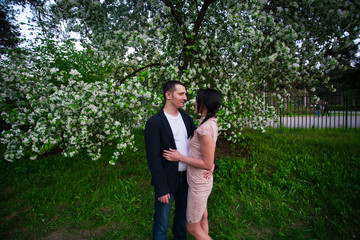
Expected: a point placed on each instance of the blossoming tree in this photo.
(86, 99)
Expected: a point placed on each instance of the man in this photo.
(317, 109)
(326, 109)
(169, 128)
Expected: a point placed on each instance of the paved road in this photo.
(319, 122)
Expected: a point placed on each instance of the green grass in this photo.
(284, 184)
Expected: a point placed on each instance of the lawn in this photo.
(283, 184)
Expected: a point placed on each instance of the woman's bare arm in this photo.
(207, 151)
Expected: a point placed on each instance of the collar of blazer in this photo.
(166, 124)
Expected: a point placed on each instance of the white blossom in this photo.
(74, 72)
(54, 70)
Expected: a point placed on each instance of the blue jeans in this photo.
(163, 211)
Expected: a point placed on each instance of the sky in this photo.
(25, 23)
(22, 18)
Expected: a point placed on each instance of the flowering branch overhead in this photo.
(59, 96)
(189, 38)
(134, 72)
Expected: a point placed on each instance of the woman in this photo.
(199, 161)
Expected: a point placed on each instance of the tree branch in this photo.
(177, 17)
(174, 12)
(134, 72)
(189, 41)
(201, 16)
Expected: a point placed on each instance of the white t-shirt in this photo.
(180, 135)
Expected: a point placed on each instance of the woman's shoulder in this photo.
(207, 127)
(210, 122)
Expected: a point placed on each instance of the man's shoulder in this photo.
(156, 117)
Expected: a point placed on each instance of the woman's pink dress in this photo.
(199, 187)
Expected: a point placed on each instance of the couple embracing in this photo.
(181, 161)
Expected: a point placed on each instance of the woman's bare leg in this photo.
(196, 230)
(204, 222)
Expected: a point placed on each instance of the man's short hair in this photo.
(171, 86)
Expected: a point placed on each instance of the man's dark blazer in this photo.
(158, 137)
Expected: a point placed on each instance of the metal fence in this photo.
(300, 112)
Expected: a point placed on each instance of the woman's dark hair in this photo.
(209, 98)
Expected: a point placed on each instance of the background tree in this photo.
(348, 80)
(271, 46)
(329, 27)
(9, 31)
(246, 49)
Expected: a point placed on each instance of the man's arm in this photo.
(153, 154)
(207, 151)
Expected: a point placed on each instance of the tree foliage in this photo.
(246, 46)
(56, 97)
(313, 31)
(9, 32)
(245, 49)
